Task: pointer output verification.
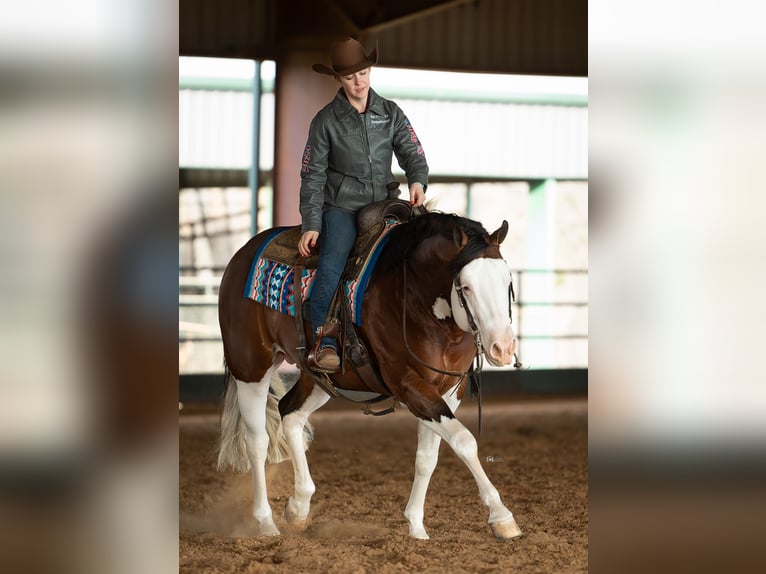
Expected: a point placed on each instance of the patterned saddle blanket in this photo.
(272, 280)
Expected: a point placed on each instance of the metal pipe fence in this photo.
(201, 294)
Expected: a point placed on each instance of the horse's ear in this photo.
(499, 234)
(460, 236)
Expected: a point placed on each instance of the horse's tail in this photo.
(232, 451)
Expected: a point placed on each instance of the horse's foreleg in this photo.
(464, 444)
(252, 399)
(297, 510)
(425, 463)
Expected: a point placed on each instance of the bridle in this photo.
(474, 371)
(477, 338)
(472, 322)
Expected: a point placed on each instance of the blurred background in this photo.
(676, 394)
(99, 231)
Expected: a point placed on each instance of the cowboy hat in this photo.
(347, 57)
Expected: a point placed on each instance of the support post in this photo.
(254, 177)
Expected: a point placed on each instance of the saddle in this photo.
(372, 221)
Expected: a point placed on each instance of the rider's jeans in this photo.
(336, 240)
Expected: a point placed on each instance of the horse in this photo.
(439, 296)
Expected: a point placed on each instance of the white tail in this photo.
(232, 451)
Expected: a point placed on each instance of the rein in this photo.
(475, 370)
(412, 353)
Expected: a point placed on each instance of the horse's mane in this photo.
(404, 239)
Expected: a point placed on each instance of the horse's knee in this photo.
(257, 443)
(425, 462)
(424, 468)
(464, 443)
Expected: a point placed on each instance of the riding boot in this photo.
(323, 357)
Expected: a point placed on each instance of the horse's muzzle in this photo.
(500, 352)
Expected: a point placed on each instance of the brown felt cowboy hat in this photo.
(347, 57)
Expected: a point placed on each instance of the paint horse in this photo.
(438, 295)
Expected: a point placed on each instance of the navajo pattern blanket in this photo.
(272, 283)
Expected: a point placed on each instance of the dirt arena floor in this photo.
(363, 468)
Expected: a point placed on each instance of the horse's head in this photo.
(481, 295)
(451, 254)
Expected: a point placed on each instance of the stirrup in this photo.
(323, 359)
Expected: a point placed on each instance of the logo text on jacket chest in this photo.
(379, 120)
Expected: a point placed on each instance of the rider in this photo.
(347, 165)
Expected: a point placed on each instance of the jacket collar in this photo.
(342, 107)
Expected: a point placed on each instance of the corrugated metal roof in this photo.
(505, 36)
(513, 36)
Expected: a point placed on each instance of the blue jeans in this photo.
(335, 243)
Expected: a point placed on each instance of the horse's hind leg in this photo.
(464, 444)
(293, 421)
(425, 463)
(252, 399)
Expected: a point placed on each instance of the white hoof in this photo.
(267, 527)
(506, 529)
(300, 523)
(419, 533)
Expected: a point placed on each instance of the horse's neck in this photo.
(426, 286)
(430, 264)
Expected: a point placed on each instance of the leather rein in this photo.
(474, 371)
(474, 330)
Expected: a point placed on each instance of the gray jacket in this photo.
(347, 160)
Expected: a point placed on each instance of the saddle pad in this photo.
(272, 283)
(355, 287)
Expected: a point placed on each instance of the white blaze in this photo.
(486, 283)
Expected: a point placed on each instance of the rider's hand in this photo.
(308, 240)
(417, 195)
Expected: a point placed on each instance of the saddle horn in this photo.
(499, 234)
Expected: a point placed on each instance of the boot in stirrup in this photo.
(323, 358)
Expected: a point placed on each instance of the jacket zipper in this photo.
(363, 117)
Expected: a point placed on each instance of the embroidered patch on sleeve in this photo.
(413, 136)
